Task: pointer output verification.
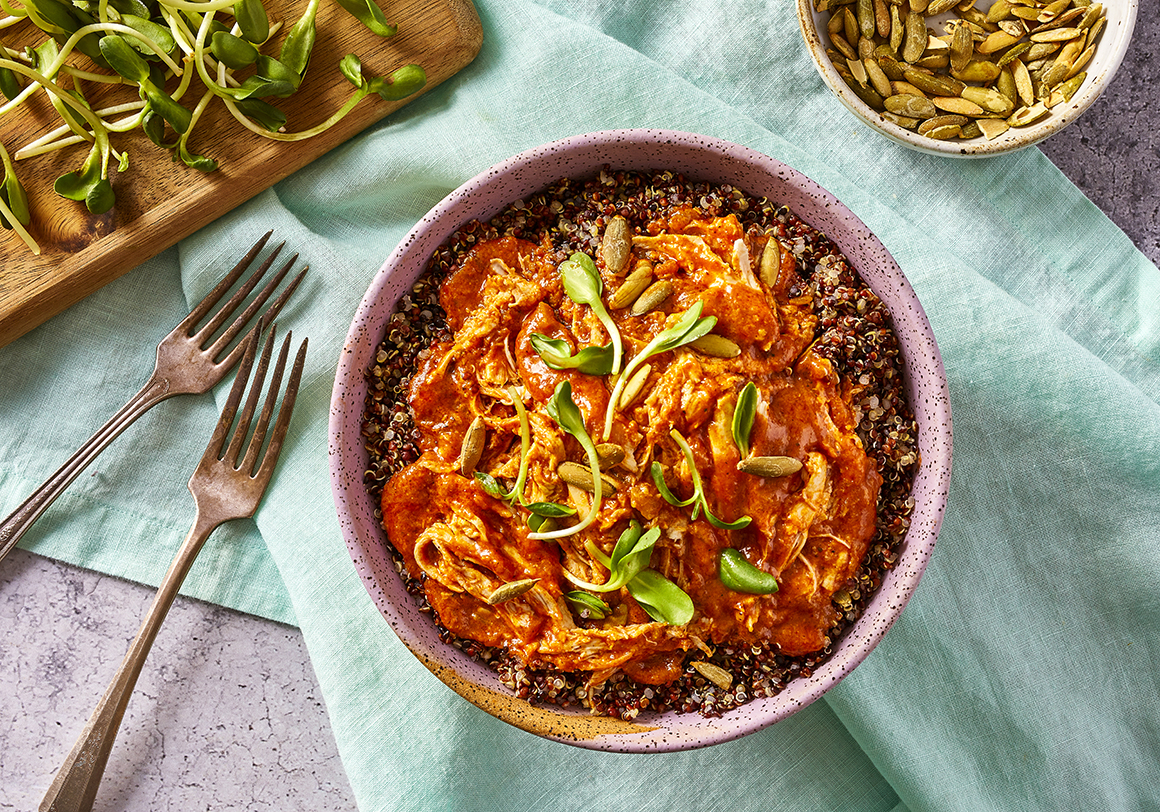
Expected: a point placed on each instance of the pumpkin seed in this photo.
(970, 130)
(633, 286)
(769, 266)
(958, 105)
(911, 106)
(652, 297)
(716, 346)
(472, 448)
(714, 673)
(905, 88)
(897, 29)
(962, 46)
(573, 473)
(992, 127)
(890, 66)
(999, 10)
(990, 100)
(770, 467)
(609, 455)
(635, 385)
(978, 70)
(941, 123)
(616, 246)
(902, 121)
(932, 84)
(1056, 35)
(512, 589)
(878, 79)
(1013, 53)
(937, 7)
(914, 42)
(1027, 115)
(996, 42)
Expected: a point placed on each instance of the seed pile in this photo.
(854, 333)
(986, 72)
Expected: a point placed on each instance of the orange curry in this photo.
(810, 529)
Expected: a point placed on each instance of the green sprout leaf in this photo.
(567, 415)
(100, 197)
(556, 353)
(264, 113)
(233, 52)
(698, 499)
(661, 598)
(550, 510)
(490, 485)
(587, 605)
(739, 575)
(124, 59)
(299, 43)
(251, 17)
(583, 285)
(743, 415)
(370, 15)
(629, 557)
(399, 84)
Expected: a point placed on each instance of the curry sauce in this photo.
(810, 529)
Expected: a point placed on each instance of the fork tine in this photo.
(214, 296)
(227, 310)
(217, 442)
(266, 469)
(267, 317)
(260, 430)
(238, 439)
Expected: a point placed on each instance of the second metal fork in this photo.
(190, 360)
(227, 484)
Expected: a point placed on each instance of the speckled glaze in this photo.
(1109, 53)
(699, 158)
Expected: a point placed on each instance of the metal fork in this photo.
(226, 485)
(190, 360)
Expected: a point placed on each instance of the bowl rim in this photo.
(1012, 140)
(348, 458)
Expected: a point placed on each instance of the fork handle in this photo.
(13, 528)
(75, 786)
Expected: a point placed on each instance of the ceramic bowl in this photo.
(1109, 53)
(699, 158)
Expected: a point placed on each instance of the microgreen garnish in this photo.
(661, 598)
(583, 285)
(589, 360)
(697, 499)
(739, 575)
(567, 415)
(629, 557)
(587, 605)
(550, 510)
(743, 414)
(490, 485)
(517, 491)
(147, 43)
(689, 327)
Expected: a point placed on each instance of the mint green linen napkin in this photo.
(1022, 676)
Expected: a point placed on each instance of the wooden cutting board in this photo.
(160, 201)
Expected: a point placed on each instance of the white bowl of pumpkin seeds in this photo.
(971, 78)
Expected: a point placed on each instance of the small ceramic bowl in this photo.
(1109, 53)
(699, 158)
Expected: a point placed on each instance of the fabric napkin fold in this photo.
(1023, 673)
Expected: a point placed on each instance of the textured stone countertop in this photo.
(228, 714)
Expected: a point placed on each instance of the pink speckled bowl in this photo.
(699, 158)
